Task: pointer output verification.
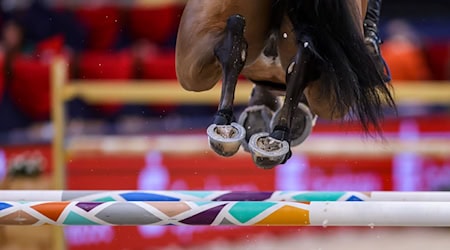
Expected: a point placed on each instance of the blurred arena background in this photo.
(138, 144)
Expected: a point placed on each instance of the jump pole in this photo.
(238, 213)
(189, 195)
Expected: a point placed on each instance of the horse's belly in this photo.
(265, 69)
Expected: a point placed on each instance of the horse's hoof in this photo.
(302, 124)
(255, 119)
(268, 152)
(225, 139)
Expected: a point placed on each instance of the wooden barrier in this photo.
(170, 92)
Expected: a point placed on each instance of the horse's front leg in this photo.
(269, 150)
(224, 134)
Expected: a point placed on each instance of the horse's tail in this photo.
(348, 71)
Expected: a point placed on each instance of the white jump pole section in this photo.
(184, 195)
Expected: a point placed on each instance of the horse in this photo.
(306, 59)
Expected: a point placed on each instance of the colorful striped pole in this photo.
(180, 195)
(239, 213)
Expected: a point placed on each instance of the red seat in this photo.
(156, 24)
(97, 65)
(30, 87)
(439, 58)
(159, 66)
(53, 45)
(102, 25)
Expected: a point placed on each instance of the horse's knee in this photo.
(323, 106)
(196, 66)
(191, 82)
(190, 85)
(324, 112)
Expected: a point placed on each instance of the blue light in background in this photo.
(407, 166)
(3, 169)
(293, 174)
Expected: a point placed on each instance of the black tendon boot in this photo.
(372, 38)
